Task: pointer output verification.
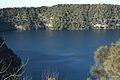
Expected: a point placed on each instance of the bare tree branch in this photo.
(2, 44)
(16, 74)
(3, 70)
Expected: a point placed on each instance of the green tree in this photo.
(107, 62)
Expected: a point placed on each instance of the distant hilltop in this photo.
(62, 16)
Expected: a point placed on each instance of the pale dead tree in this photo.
(48, 74)
(2, 44)
(3, 41)
(14, 74)
(4, 68)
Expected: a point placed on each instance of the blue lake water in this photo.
(67, 53)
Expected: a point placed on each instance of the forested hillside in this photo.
(63, 16)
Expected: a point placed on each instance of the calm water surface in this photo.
(69, 53)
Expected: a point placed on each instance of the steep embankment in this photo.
(64, 16)
(9, 62)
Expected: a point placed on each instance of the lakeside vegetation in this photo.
(63, 16)
(60, 17)
(107, 60)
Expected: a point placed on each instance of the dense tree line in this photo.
(64, 16)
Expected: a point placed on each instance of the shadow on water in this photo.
(6, 26)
